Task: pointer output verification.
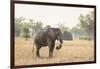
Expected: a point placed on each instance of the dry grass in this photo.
(72, 51)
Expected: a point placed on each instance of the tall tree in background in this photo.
(31, 25)
(35, 26)
(76, 32)
(87, 24)
(38, 26)
(47, 27)
(25, 31)
(18, 22)
(63, 27)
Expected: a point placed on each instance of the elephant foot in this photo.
(38, 56)
(50, 56)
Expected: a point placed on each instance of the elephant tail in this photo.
(33, 46)
(33, 49)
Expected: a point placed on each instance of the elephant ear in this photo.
(57, 31)
(50, 34)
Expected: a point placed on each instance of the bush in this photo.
(84, 38)
(26, 32)
(67, 35)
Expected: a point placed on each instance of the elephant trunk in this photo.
(61, 42)
(59, 47)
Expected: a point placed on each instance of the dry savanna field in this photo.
(71, 51)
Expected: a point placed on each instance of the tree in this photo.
(37, 26)
(25, 31)
(76, 32)
(18, 22)
(67, 35)
(47, 27)
(26, 28)
(17, 29)
(87, 24)
(63, 27)
(31, 25)
(34, 26)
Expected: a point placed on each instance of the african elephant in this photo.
(47, 38)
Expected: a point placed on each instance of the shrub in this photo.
(26, 32)
(84, 38)
(67, 35)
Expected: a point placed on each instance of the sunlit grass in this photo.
(71, 51)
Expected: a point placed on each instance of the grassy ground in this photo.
(72, 51)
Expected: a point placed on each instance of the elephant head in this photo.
(59, 38)
(56, 34)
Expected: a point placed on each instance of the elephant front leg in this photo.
(37, 52)
(51, 49)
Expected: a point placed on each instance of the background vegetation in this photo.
(78, 43)
(83, 30)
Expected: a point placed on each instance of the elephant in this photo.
(47, 38)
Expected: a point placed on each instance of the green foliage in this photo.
(18, 22)
(67, 35)
(35, 26)
(25, 31)
(84, 38)
(25, 27)
(38, 26)
(17, 29)
(47, 27)
(63, 27)
(76, 30)
(28, 27)
(87, 24)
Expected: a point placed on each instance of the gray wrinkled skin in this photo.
(47, 38)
